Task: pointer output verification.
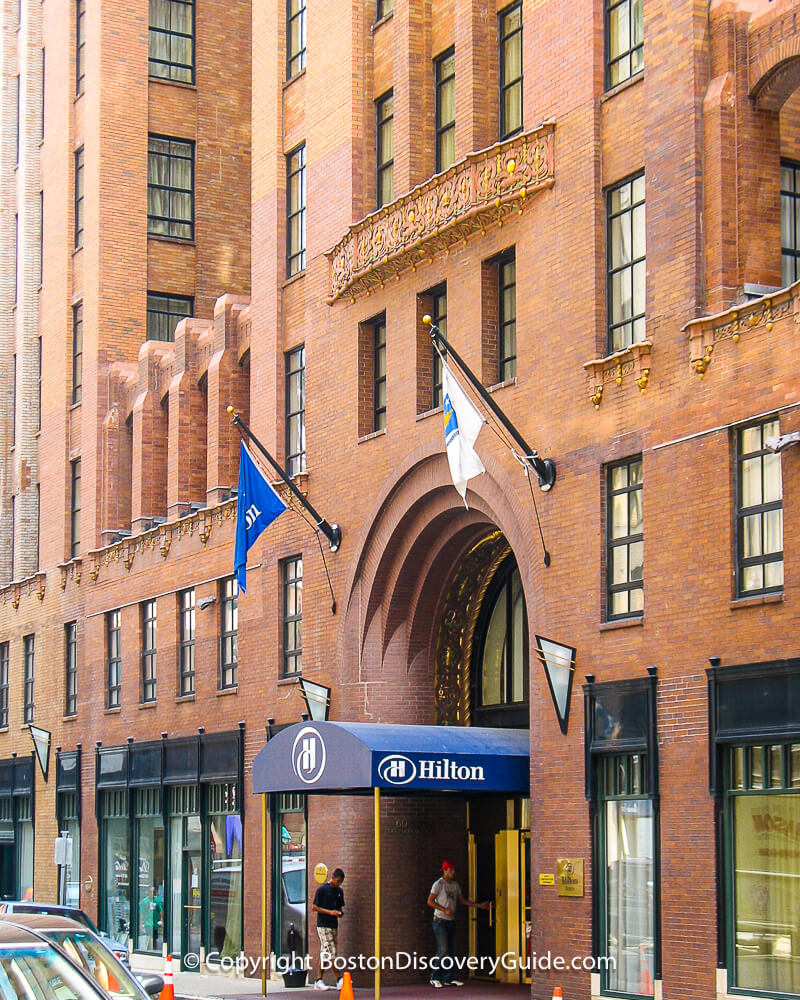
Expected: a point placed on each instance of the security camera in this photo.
(775, 444)
(206, 602)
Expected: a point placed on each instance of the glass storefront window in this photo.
(69, 824)
(150, 840)
(24, 837)
(225, 903)
(289, 842)
(116, 866)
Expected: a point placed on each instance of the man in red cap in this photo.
(444, 896)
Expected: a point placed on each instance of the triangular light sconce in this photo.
(559, 668)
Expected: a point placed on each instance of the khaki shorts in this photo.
(327, 941)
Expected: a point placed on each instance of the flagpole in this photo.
(331, 531)
(545, 468)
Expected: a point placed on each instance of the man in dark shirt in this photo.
(328, 905)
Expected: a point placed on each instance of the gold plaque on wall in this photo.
(569, 876)
(321, 872)
(547, 878)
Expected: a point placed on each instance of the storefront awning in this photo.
(360, 756)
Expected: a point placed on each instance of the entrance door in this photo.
(192, 903)
(513, 899)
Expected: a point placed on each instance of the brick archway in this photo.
(774, 57)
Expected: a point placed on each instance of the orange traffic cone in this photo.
(346, 992)
(557, 994)
(168, 992)
(646, 983)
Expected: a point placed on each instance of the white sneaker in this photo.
(339, 983)
(454, 982)
(437, 983)
(320, 985)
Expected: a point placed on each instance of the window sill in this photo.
(112, 711)
(625, 85)
(426, 413)
(294, 278)
(379, 23)
(183, 241)
(76, 406)
(224, 692)
(501, 385)
(70, 718)
(372, 435)
(179, 699)
(633, 360)
(146, 704)
(292, 79)
(183, 84)
(289, 680)
(756, 600)
(622, 623)
(77, 250)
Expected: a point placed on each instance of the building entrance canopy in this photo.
(361, 756)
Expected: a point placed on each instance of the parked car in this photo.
(73, 913)
(293, 881)
(86, 950)
(31, 968)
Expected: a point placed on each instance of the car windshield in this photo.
(33, 973)
(95, 959)
(295, 885)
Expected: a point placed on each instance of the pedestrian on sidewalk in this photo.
(328, 905)
(444, 896)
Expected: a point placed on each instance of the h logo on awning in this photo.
(308, 755)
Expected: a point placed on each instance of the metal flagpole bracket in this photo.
(545, 468)
(331, 531)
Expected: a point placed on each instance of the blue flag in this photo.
(258, 506)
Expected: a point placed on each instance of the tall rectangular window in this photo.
(507, 317)
(510, 36)
(170, 187)
(16, 256)
(71, 668)
(624, 39)
(384, 113)
(171, 43)
(439, 316)
(18, 123)
(445, 110)
(624, 540)
(790, 221)
(627, 846)
(296, 211)
(29, 665)
(384, 8)
(296, 411)
(39, 384)
(295, 37)
(229, 638)
(3, 685)
(379, 374)
(187, 611)
(759, 511)
(80, 45)
(78, 197)
(164, 312)
(292, 616)
(41, 238)
(77, 352)
(113, 658)
(149, 646)
(626, 264)
(41, 136)
(75, 509)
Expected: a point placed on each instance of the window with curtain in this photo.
(187, 612)
(790, 221)
(296, 211)
(113, 658)
(78, 198)
(295, 37)
(624, 40)
(439, 316)
(759, 511)
(71, 668)
(626, 264)
(229, 639)
(624, 539)
(171, 40)
(507, 316)
(4, 685)
(292, 574)
(77, 352)
(75, 509)
(149, 646)
(170, 187)
(164, 312)
(510, 36)
(384, 113)
(296, 411)
(29, 676)
(445, 76)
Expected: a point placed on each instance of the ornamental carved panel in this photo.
(470, 196)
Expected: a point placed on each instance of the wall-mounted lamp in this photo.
(206, 602)
(714, 661)
(559, 668)
(317, 698)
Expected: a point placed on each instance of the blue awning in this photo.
(359, 756)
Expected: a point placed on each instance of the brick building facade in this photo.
(599, 207)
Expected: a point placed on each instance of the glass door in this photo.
(192, 904)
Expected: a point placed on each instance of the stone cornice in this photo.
(470, 196)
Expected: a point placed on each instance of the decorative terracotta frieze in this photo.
(473, 194)
(633, 361)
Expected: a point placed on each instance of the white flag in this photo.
(462, 423)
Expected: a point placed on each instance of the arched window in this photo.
(500, 663)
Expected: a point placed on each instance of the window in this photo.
(39, 384)
(379, 375)
(80, 45)
(507, 317)
(384, 8)
(296, 211)
(16, 257)
(149, 645)
(187, 640)
(77, 352)
(296, 411)
(79, 198)
(27, 701)
(790, 221)
(624, 40)
(113, 658)
(445, 110)
(18, 123)
(500, 677)
(75, 509)
(289, 872)
(439, 316)
(292, 616)
(71, 668)
(170, 187)
(229, 640)
(3, 685)
(626, 264)
(41, 238)
(759, 512)
(172, 40)
(41, 136)
(384, 111)
(626, 846)
(510, 35)
(624, 540)
(762, 813)
(164, 312)
(295, 37)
